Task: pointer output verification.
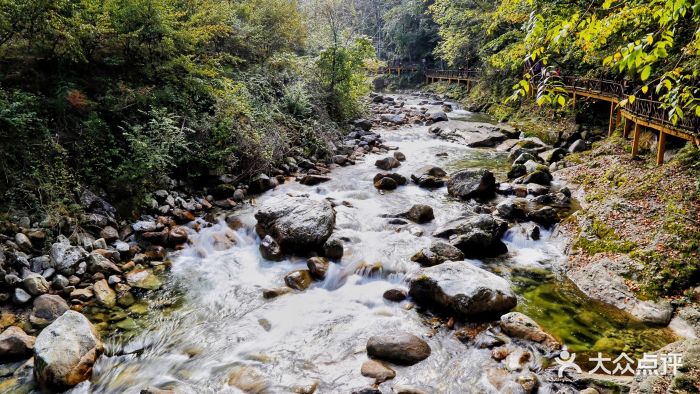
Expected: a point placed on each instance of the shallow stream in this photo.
(213, 319)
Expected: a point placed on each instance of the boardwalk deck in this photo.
(641, 113)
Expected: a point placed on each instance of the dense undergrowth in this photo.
(126, 96)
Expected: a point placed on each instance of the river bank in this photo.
(227, 314)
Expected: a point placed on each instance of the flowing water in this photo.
(214, 320)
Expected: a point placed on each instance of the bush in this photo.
(155, 148)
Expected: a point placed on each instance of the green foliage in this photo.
(121, 95)
(154, 148)
(342, 73)
(296, 100)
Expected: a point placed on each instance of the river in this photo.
(213, 320)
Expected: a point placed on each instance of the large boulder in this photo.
(298, 224)
(398, 348)
(65, 351)
(472, 183)
(476, 236)
(462, 289)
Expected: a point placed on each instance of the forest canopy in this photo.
(125, 96)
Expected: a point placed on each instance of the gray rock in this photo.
(578, 146)
(363, 124)
(143, 226)
(109, 233)
(270, 249)
(15, 344)
(298, 224)
(238, 195)
(334, 248)
(392, 118)
(602, 282)
(65, 351)
(476, 236)
(462, 289)
(420, 213)
(438, 116)
(387, 163)
(438, 253)
(20, 296)
(472, 183)
(546, 216)
(516, 171)
(429, 177)
(47, 308)
(35, 284)
(65, 257)
(59, 282)
(23, 242)
(104, 295)
(98, 263)
(398, 348)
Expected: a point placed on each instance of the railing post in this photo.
(635, 141)
(661, 148)
(611, 126)
(628, 126)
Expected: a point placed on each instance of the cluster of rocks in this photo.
(94, 261)
(392, 113)
(303, 226)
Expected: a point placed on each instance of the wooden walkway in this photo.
(643, 112)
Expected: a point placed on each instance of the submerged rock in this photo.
(377, 371)
(66, 350)
(298, 224)
(463, 289)
(399, 348)
(468, 184)
(518, 325)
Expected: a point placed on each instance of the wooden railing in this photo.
(643, 111)
(453, 74)
(645, 108)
